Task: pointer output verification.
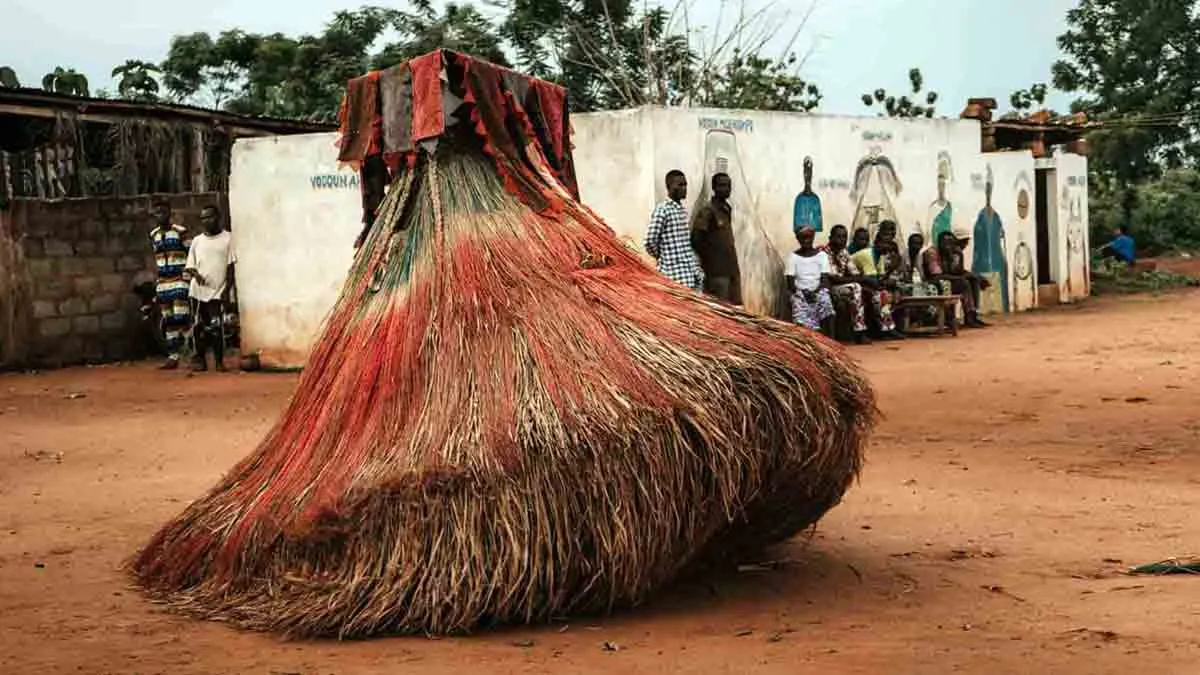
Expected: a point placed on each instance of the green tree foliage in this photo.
(1137, 65)
(304, 77)
(66, 81)
(610, 55)
(607, 53)
(136, 80)
(8, 78)
(603, 52)
(1163, 212)
(1025, 100)
(917, 103)
(756, 83)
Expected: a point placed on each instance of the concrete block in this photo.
(139, 243)
(41, 268)
(99, 265)
(54, 288)
(72, 307)
(93, 350)
(114, 320)
(86, 325)
(71, 267)
(36, 226)
(70, 350)
(130, 263)
(86, 247)
(87, 286)
(58, 247)
(91, 228)
(118, 349)
(34, 248)
(52, 328)
(44, 309)
(113, 246)
(105, 302)
(115, 282)
(123, 227)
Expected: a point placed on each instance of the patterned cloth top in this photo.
(842, 263)
(668, 240)
(170, 258)
(388, 116)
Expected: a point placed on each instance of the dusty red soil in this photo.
(1018, 472)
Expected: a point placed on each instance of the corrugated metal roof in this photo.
(40, 99)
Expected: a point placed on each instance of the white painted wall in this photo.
(294, 218)
(1012, 173)
(1072, 204)
(614, 163)
(294, 234)
(767, 172)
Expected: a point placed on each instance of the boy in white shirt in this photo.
(210, 264)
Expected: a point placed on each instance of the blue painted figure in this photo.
(989, 259)
(807, 209)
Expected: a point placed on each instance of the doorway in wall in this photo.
(1045, 214)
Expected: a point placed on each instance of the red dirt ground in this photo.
(1018, 472)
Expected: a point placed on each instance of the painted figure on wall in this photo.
(876, 186)
(806, 212)
(1023, 280)
(989, 258)
(941, 212)
(1076, 255)
(760, 264)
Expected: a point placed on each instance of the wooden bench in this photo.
(944, 316)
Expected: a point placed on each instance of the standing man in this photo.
(667, 238)
(210, 264)
(170, 245)
(712, 239)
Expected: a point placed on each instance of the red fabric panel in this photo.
(428, 117)
(360, 121)
(551, 100)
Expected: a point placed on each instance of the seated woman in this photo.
(847, 284)
(944, 264)
(881, 264)
(808, 281)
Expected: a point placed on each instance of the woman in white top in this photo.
(808, 273)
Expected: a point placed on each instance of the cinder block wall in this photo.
(81, 260)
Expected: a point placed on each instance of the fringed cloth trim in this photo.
(525, 130)
(361, 120)
(491, 107)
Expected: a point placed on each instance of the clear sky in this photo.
(963, 47)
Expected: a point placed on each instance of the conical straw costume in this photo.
(509, 416)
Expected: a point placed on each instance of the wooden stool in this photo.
(943, 307)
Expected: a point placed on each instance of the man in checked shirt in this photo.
(668, 239)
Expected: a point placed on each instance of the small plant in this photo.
(1112, 278)
(8, 78)
(904, 106)
(66, 81)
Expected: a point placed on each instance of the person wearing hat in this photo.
(943, 263)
